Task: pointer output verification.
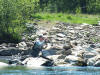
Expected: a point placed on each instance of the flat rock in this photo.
(60, 35)
(72, 58)
(97, 64)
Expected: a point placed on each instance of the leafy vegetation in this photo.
(68, 18)
(13, 16)
(70, 6)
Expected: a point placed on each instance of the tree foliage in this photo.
(71, 6)
(13, 16)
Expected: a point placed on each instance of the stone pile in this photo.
(76, 44)
(70, 44)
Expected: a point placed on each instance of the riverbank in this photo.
(70, 44)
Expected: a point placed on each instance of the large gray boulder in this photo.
(60, 35)
(36, 62)
(75, 61)
(89, 55)
(13, 51)
(94, 61)
(72, 58)
(2, 65)
(97, 63)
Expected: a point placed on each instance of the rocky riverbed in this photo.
(70, 44)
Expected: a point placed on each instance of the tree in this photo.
(13, 16)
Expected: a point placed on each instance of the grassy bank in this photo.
(68, 18)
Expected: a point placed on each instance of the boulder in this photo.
(72, 31)
(79, 28)
(53, 57)
(78, 53)
(60, 35)
(58, 59)
(72, 58)
(97, 50)
(60, 39)
(61, 56)
(60, 62)
(73, 43)
(75, 61)
(36, 62)
(68, 52)
(97, 63)
(93, 61)
(2, 64)
(67, 47)
(57, 47)
(89, 54)
(13, 51)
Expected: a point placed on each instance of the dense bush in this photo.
(13, 16)
(70, 6)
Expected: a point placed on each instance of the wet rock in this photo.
(78, 53)
(67, 47)
(97, 64)
(53, 57)
(75, 61)
(92, 46)
(73, 43)
(2, 64)
(60, 39)
(60, 35)
(72, 58)
(68, 52)
(37, 62)
(61, 57)
(93, 61)
(60, 62)
(89, 55)
(97, 50)
(13, 51)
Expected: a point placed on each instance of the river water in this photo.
(22, 70)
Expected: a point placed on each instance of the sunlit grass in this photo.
(68, 18)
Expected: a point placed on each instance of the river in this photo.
(22, 70)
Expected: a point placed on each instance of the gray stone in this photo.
(13, 51)
(97, 63)
(72, 58)
(92, 61)
(67, 47)
(60, 35)
(89, 55)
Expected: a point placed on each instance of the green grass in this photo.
(68, 18)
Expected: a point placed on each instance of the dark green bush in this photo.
(13, 16)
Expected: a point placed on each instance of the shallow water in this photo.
(22, 70)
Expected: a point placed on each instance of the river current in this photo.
(22, 70)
